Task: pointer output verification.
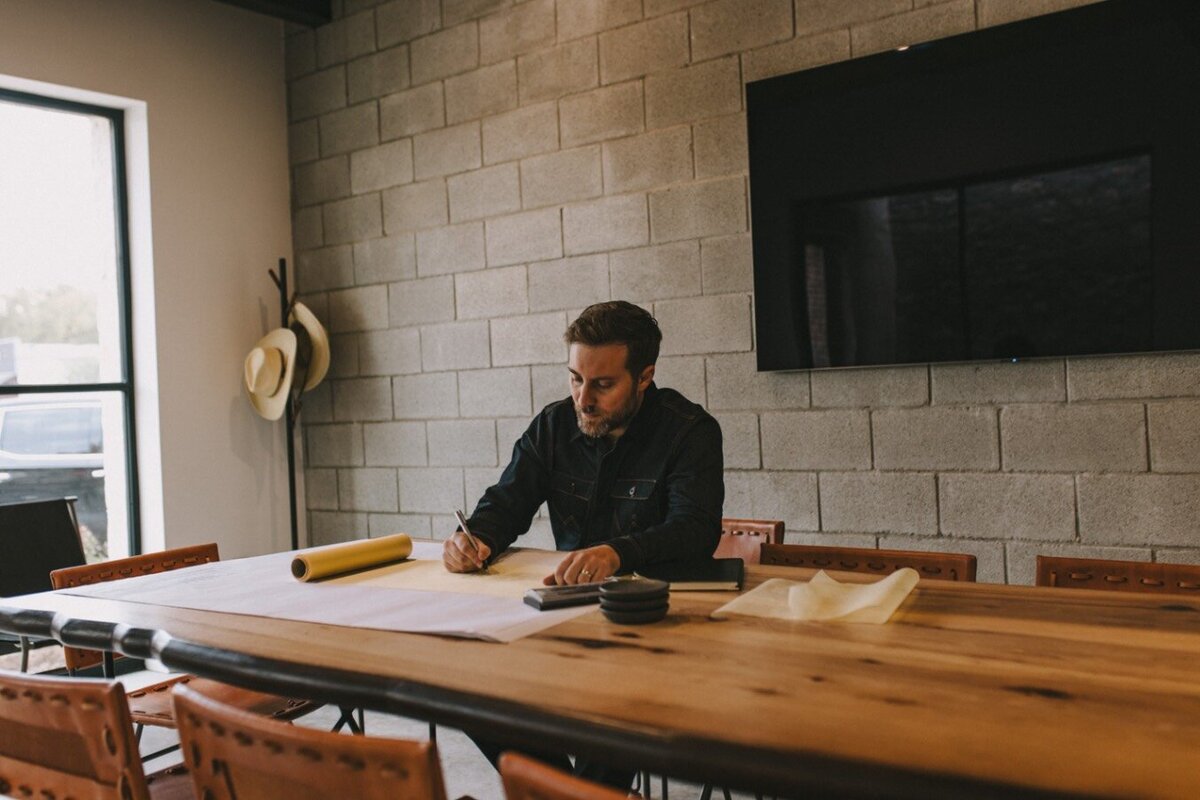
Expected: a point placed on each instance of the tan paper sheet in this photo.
(824, 598)
(415, 596)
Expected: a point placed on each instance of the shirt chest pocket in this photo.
(569, 496)
(631, 510)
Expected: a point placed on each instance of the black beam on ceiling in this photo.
(304, 12)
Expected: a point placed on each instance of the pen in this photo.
(462, 523)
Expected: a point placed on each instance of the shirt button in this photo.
(632, 491)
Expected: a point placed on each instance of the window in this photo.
(66, 378)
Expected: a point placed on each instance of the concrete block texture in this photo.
(343, 355)
(481, 92)
(331, 527)
(462, 442)
(727, 264)
(878, 502)
(873, 387)
(455, 248)
(491, 293)
(999, 12)
(389, 258)
(363, 308)
(420, 301)
(455, 345)
(558, 71)
(495, 392)
(456, 11)
(684, 374)
(561, 177)
(307, 233)
(447, 150)
(611, 223)
(1003, 382)
(415, 525)
(1138, 510)
(601, 114)
(989, 556)
(1021, 557)
(413, 111)
(321, 181)
(833, 539)
(920, 25)
(1120, 377)
(650, 46)
(318, 93)
(656, 272)
(415, 206)
(734, 382)
(521, 29)
(963, 438)
(812, 440)
(789, 496)
(353, 219)
(432, 490)
(426, 396)
(1085, 437)
(395, 444)
(739, 439)
(568, 282)
(821, 15)
(528, 236)
(334, 445)
(362, 399)
(685, 95)
(405, 20)
(381, 167)
(520, 133)
(721, 147)
(706, 208)
(584, 17)
(804, 52)
(378, 75)
(484, 192)
(304, 141)
(368, 489)
(549, 383)
(445, 53)
(396, 351)
(300, 54)
(349, 129)
(1174, 435)
(1007, 506)
(327, 268)
(318, 404)
(479, 479)
(649, 160)
(710, 324)
(531, 339)
(321, 489)
(728, 26)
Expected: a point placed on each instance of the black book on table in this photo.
(702, 575)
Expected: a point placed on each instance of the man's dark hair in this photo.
(619, 322)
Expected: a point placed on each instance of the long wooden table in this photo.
(972, 690)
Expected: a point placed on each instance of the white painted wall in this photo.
(204, 86)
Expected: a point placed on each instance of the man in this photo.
(632, 474)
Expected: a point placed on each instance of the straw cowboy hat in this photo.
(268, 371)
(318, 359)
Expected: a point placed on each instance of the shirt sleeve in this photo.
(507, 508)
(695, 485)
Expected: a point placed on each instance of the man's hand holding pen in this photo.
(464, 552)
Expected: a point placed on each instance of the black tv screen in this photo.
(1028, 190)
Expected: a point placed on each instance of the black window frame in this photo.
(124, 386)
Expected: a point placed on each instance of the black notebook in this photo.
(705, 575)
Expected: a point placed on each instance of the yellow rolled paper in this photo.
(364, 554)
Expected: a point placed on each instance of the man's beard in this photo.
(595, 428)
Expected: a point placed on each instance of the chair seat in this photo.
(151, 705)
(172, 783)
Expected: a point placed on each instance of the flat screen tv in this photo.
(1028, 190)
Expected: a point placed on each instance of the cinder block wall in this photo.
(468, 174)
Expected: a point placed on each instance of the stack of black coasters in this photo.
(634, 602)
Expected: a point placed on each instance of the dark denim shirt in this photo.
(655, 495)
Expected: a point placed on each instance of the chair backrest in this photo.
(743, 538)
(118, 569)
(35, 539)
(527, 779)
(62, 737)
(232, 753)
(1118, 576)
(940, 566)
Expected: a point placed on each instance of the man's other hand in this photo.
(585, 566)
(459, 556)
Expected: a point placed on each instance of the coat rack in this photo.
(292, 407)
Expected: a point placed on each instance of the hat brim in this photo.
(271, 406)
(318, 364)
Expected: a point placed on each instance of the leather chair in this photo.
(63, 737)
(35, 538)
(939, 566)
(743, 538)
(232, 754)
(528, 779)
(151, 705)
(1118, 576)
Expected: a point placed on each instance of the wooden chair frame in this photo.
(1118, 576)
(525, 778)
(743, 538)
(937, 566)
